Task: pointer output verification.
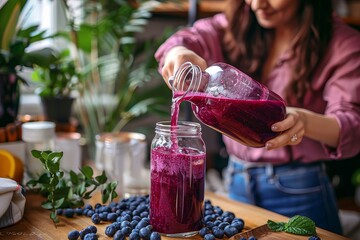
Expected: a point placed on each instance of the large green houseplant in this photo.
(115, 71)
(14, 41)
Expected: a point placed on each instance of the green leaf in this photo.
(59, 202)
(74, 178)
(43, 57)
(301, 225)
(36, 154)
(276, 226)
(87, 171)
(9, 13)
(54, 217)
(102, 178)
(47, 205)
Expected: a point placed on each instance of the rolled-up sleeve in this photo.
(203, 38)
(342, 94)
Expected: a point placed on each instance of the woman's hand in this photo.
(299, 123)
(292, 128)
(177, 56)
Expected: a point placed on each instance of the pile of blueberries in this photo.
(130, 218)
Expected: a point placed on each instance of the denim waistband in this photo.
(238, 167)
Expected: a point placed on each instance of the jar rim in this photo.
(181, 127)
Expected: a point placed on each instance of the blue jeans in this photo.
(290, 189)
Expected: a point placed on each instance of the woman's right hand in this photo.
(177, 56)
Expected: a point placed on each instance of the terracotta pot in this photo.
(9, 98)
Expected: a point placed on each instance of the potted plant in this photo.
(55, 78)
(116, 73)
(14, 41)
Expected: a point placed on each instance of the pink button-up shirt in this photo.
(336, 85)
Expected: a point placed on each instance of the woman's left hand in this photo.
(292, 129)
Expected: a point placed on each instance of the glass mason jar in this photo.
(178, 160)
(37, 136)
(229, 101)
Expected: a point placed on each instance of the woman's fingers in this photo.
(292, 131)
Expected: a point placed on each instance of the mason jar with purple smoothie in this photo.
(178, 159)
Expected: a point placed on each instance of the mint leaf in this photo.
(276, 226)
(299, 225)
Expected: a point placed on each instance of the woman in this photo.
(304, 53)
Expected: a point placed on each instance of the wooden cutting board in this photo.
(263, 232)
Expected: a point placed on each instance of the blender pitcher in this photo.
(227, 100)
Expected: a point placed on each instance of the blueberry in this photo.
(116, 225)
(314, 238)
(85, 211)
(73, 235)
(239, 225)
(252, 238)
(217, 222)
(91, 236)
(209, 236)
(84, 232)
(126, 217)
(238, 220)
(119, 235)
(111, 217)
(228, 219)
(243, 238)
(141, 224)
(59, 211)
(150, 227)
(92, 228)
(110, 230)
(79, 211)
(97, 205)
(134, 236)
(155, 236)
(69, 212)
(145, 233)
(95, 218)
(218, 232)
(137, 218)
(125, 224)
(126, 230)
(230, 231)
(209, 218)
(144, 214)
(209, 224)
(103, 216)
(136, 213)
(133, 223)
(88, 206)
(90, 213)
(223, 225)
(204, 231)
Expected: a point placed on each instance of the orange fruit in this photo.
(11, 166)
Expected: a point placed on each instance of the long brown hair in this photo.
(247, 43)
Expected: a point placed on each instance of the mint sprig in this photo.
(68, 191)
(299, 225)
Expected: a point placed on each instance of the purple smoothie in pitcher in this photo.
(246, 121)
(177, 190)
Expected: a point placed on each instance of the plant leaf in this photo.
(87, 171)
(301, 225)
(276, 226)
(9, 13)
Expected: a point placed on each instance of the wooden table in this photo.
(36, 223)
